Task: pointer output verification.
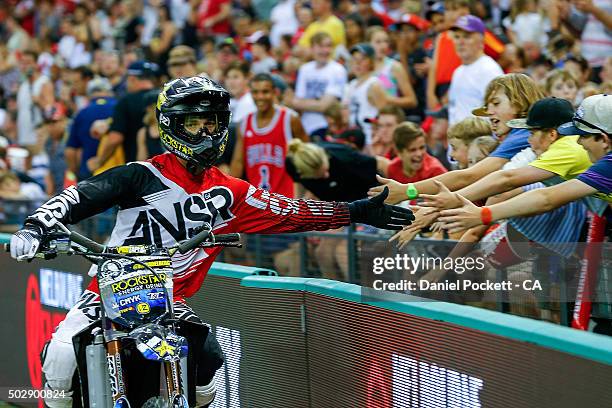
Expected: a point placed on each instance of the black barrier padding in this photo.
(272, 345)
(275, 357)
(26, 324)
(361, 354)
(291, 349)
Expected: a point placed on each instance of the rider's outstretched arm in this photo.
(259, 211)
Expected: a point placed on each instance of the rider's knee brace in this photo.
(58, 366)
(205, 394)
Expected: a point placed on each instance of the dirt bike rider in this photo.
(164, 200)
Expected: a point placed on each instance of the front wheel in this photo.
(156, 402)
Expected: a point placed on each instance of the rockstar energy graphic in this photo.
(165, 348)
(175, 144)
(139, 282)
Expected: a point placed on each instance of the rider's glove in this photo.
(375, 212)
(25, 242)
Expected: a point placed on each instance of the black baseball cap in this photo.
(143, 69)
(547, 113)
(363, 48)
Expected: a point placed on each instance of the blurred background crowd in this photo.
(385, 87)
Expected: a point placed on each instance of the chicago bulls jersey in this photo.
(161, 203)
(265, 150)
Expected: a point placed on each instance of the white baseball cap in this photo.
(593, 116)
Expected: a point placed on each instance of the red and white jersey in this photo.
(265, 150)
(161, 203)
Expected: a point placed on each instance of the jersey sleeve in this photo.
(117, 186)
(259, 211)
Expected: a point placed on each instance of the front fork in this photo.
(174, 388)
(172, 370)
(115, 374)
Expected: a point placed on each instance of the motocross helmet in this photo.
(194, 116)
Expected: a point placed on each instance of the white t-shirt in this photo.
(468, 86)
(596, 39)
(265, 66)
(521, 159)
(313, 82)
(28, 114)
(241, 107)
(360, 107)
(529, 27)
(73, 52)
(283, 21)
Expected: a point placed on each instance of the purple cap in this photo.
(469, 23)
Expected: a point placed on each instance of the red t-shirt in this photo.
(431, 168)
(209, 8)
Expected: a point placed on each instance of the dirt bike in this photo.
(136, 341)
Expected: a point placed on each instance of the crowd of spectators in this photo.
(407, 90)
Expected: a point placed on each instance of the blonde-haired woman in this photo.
(333, 172)
(390, 72)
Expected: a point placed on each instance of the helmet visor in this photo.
(199, 125)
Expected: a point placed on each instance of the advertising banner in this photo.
(296, 342)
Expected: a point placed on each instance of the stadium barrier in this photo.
(305, 342)
(347, 255)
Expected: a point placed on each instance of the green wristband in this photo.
(412, 192)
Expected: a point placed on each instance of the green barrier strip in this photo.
(234, 271)
(576, 342)
(5, 238)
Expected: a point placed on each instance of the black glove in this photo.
(375, 212)
(25, 242)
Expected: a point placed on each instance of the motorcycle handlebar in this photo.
(202, 236)
(183, 247)
(227, 238)
(86, 242)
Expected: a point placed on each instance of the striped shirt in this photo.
(557, 230)
(599, 176)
